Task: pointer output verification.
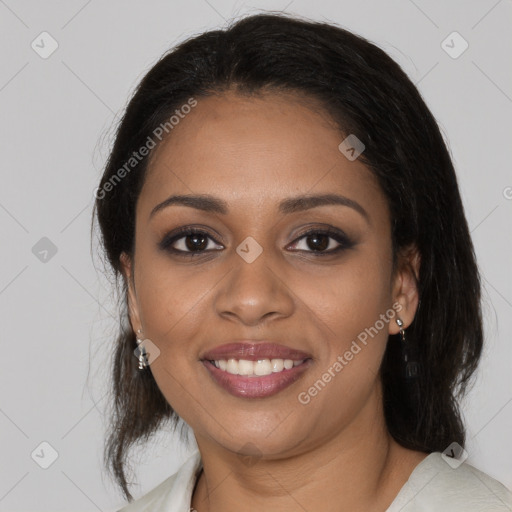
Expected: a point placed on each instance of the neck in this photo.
(361, 468)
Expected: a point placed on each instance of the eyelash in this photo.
(171, 238)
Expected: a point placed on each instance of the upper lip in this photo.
(252, 351)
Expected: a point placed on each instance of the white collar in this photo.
(172, 495)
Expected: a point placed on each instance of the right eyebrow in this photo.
(202, 202)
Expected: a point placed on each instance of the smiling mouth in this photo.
(261, 378)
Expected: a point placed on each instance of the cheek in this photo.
(350, 310)
(172, 303)
(349, 297)
(169, 299)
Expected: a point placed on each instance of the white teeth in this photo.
(277, 365)
(232, 366)
(245, 367)
(262, 367)
(255, 368)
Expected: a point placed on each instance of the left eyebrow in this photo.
(306, 202)
(213, 204)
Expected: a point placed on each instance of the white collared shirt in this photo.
(433, 486)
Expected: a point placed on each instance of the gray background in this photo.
(56, 126)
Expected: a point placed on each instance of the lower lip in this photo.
(256, 387)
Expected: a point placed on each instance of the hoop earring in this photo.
(411, 367)
(141, 352)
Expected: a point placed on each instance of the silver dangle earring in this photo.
(141, 351)
(411, 366)
(401, 325)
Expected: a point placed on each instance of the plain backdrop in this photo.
(58, 114)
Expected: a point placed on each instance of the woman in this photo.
(298, 276)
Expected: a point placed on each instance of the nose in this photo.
(252, 293)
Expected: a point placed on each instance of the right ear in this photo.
(133, 309)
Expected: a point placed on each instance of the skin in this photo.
(335, 453)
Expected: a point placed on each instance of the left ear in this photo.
(405, 288)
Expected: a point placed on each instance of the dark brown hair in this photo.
(368, 95)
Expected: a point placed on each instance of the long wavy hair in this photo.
(367, 94)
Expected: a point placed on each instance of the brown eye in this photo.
(196, 242)
(190, 241)
(320, 242)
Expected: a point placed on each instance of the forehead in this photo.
(254, 151)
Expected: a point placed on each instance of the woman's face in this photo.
(252, 276)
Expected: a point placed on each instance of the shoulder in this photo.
(441, 483)
(173, 494)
